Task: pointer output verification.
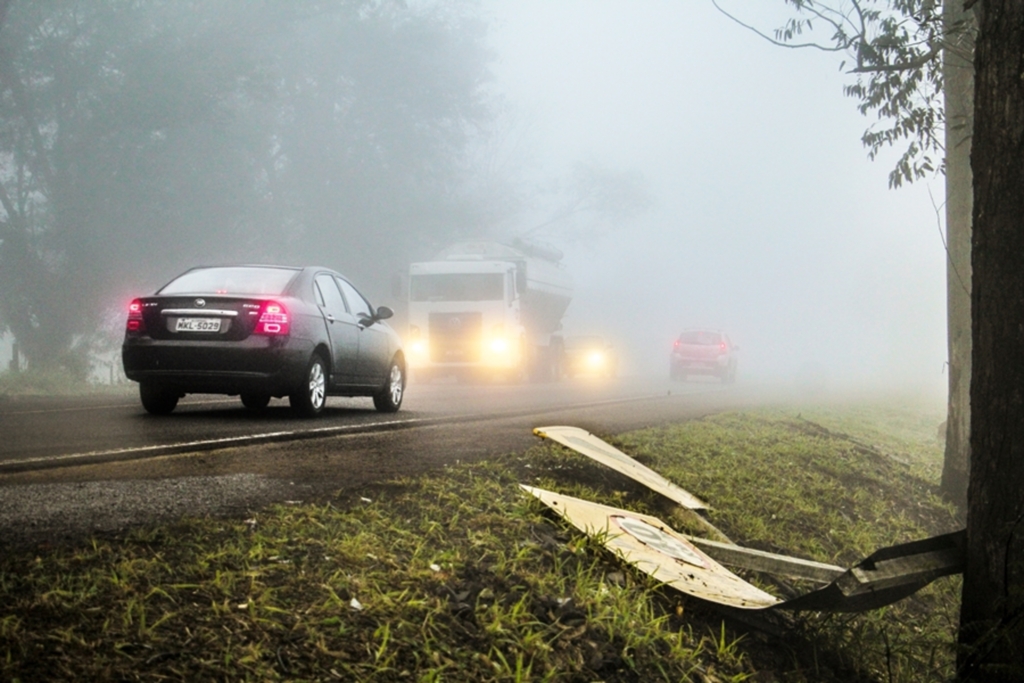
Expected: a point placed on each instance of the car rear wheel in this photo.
(255, 401)
(389, 398)
(309, 397)
(156, 399)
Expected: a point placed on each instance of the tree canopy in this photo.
(140, 137)
(891, 49)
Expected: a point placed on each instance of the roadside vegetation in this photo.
(35, 382)
(460, 576)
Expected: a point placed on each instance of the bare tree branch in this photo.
(773, 41)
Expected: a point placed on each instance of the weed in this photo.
(459, 576)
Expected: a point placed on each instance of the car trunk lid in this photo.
(218, 318)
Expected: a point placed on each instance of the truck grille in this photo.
(455, 337)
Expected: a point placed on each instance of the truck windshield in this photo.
(458, 287)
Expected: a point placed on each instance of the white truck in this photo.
(488, 310)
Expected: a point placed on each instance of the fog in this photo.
(363, 140)
(770, 222)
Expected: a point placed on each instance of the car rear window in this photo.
(244, 280)
(700, 338)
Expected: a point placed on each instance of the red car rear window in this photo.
(700, 338)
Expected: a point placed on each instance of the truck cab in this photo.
(488, 310)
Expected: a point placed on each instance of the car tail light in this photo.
(136, 323)
(273, 320)
(722, 348)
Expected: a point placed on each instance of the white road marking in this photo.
(90, 457)
(204, 444)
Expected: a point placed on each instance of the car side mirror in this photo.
(383, 313)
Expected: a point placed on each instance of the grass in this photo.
(458, 576)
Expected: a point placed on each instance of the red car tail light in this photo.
(722, 348)
(135, 323)
(273, 320)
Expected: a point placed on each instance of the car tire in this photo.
(156, 399)
(310, 396)
(389, 398)
(255, 400)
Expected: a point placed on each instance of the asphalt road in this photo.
(90, 464)
(45, 432)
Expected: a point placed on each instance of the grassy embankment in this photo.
(56, 382)
(458, 576)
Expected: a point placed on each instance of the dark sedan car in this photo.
(260, 332)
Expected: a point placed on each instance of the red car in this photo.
(703, 352)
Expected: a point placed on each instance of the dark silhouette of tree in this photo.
(141, 138)
(992, 610)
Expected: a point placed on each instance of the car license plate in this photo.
(197, 325)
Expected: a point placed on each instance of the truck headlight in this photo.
(498, 345)
(595, 359)
(418, 348)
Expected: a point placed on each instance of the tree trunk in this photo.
(992, 612)
(958, 88)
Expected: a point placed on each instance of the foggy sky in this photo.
(770, 223)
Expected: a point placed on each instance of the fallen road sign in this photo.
(582, 441)
(686, 563)
(732, 555)
(888, 575)
(658, 550)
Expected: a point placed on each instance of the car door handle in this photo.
(330, 317)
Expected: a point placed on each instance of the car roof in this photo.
(245, 265)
